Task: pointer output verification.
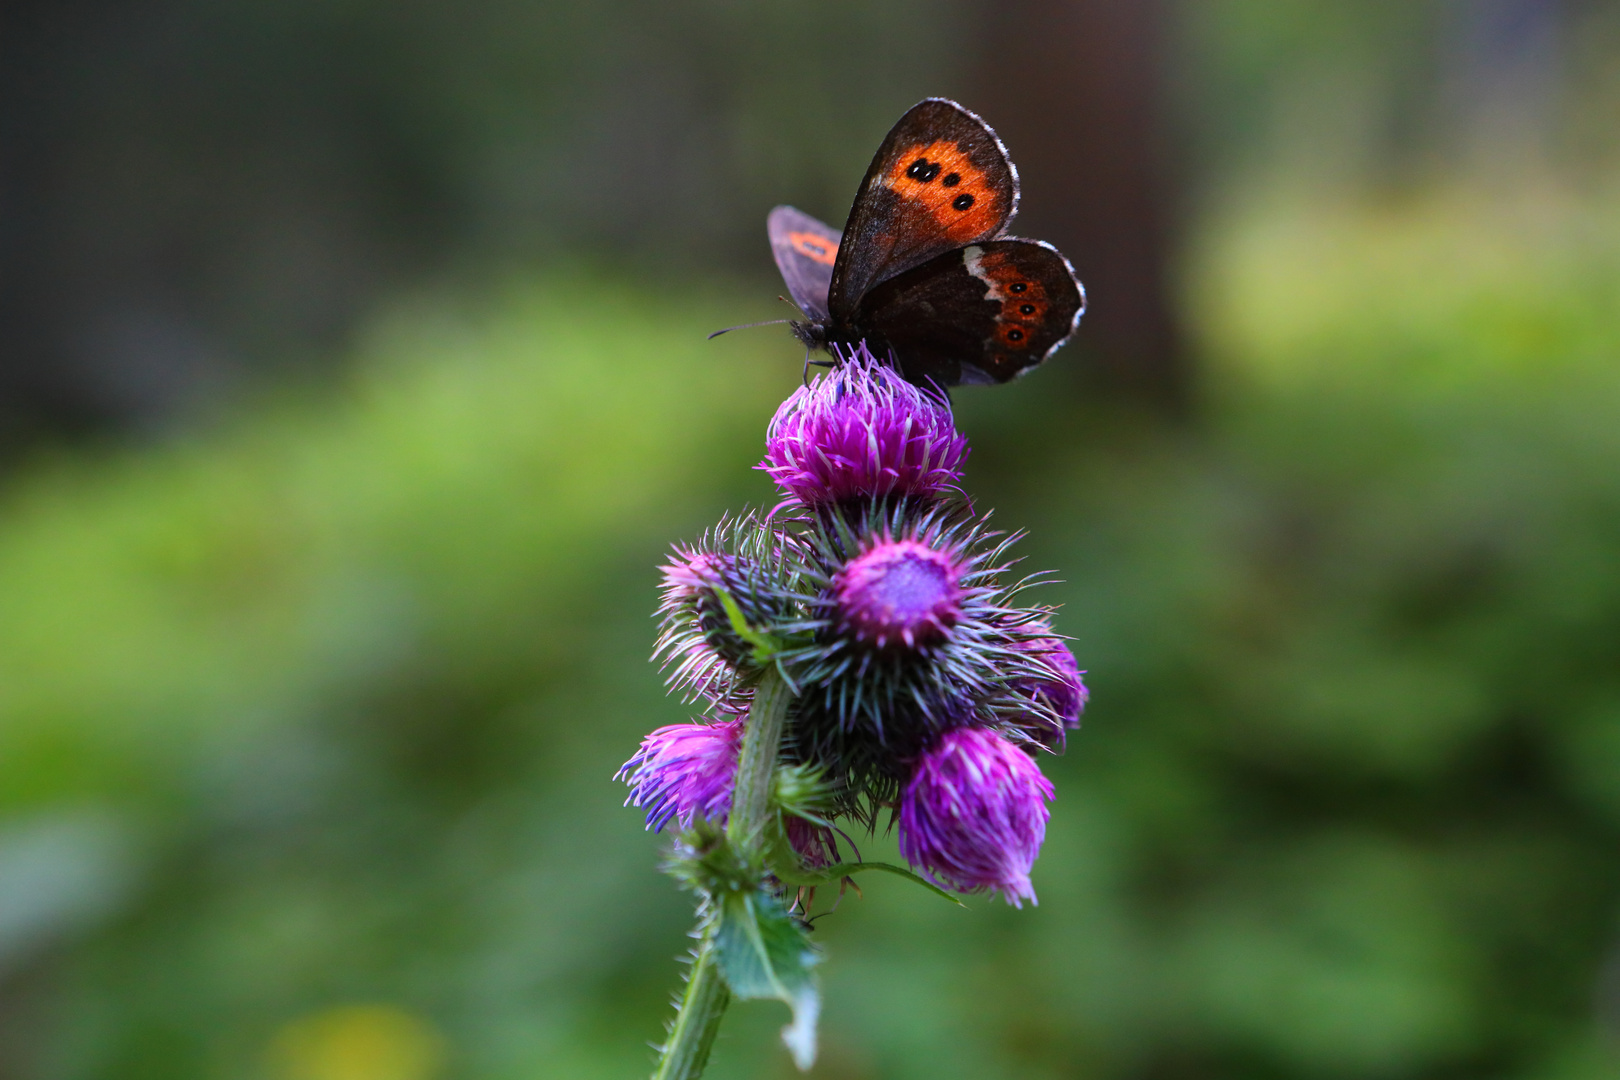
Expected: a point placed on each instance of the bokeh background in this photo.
(353, 380)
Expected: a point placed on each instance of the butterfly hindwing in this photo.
(940, 180)
(805, 250)
(984, 314)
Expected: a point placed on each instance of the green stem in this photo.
(697, 1021)
(756, 763)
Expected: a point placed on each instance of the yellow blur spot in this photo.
(358, 1042)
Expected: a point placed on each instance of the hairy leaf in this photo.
(765, 953)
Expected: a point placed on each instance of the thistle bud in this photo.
(973, 814)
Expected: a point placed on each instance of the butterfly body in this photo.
(923, 269)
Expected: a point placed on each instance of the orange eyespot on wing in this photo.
(1023, 298)
(941, 177)
(985, 313)
(940, 180)
(806, 250)
(815, 247)
(1037, 298)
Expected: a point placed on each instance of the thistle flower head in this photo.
(684, 771)
(693, 662)
(1062, 689)
(741, 569)
(900, 593)
(973, 814)
(691, 572)
(912, 631)
(695, 580)
(862, 431)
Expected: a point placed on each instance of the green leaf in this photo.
(765, 953)
(765, 645)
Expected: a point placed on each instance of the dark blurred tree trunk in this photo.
(27, 361)
(1076, 88)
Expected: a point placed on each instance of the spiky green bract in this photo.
(730, 602)
(803, 791)
(805, 804)
(708, 864)
(863, 710)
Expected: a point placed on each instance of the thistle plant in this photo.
(864, 660)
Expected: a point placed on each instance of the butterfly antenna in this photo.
(747, 326)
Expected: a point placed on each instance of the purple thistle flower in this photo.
(683, 771)
(973, 815)
(753, 565)
(900, 592)
(1064, 691)
(699, 671)
(864, 711)
(693, 662)
(689, 573)
(862, 431)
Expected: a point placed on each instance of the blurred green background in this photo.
(355, 381)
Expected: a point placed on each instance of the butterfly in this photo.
(923, 268)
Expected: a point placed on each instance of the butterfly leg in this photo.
(805, 375)
(809, 363)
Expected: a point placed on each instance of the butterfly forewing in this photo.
(940, 181)
(805, 250)
(984, 314)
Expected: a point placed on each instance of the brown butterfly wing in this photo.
(985, 314)
(805, 250)
(940, 181)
